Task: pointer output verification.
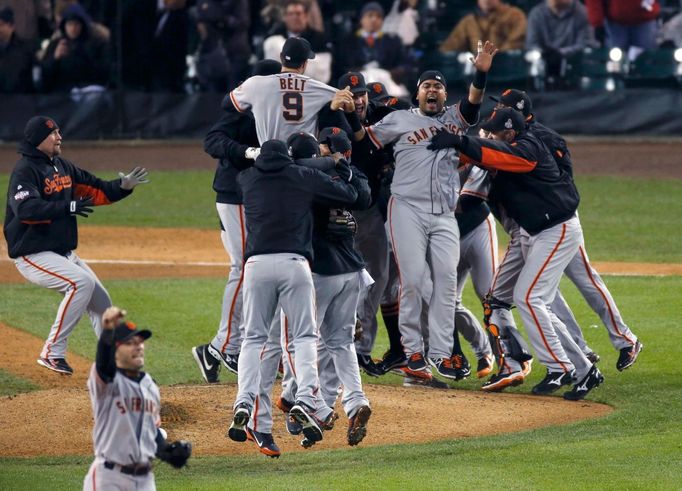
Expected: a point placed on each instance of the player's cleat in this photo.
(593, 379)
(231, 362)
(328, 423)
(58, 365)
(593, 357)
(628, 356)
(357, 425)
(501, 381)
(284, 405)
(293, 426)
(208, 364)
(369, 366)
(527, 367)
(417, 367)
(265, 441)
(552, 382)
(462, 366)
(433, 383)
(484, 366)
(237, 431)
(310, 427)
(392, 361)
(444, 368)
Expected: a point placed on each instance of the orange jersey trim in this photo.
(97, 195)
(505, 162)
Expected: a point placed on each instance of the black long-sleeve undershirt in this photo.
(105, 360)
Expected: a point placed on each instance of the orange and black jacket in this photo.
(37, 217)
(528, 183)
(554, 142)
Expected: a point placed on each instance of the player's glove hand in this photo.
(341, 224)
(252, 153)
(176, 453)
(343, 170)
(137, 176)
(80, 207)
(444, 139)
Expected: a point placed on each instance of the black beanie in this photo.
(38, 128)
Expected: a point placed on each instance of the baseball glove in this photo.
(341, 224)
(176, 453)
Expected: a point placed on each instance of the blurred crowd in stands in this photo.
(88, 46)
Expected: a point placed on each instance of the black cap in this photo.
(38, 128)
(516, 99)
(336, 139)
(505, 119)
(126, 330)
(295, 52)
(7, 15)
(302, 145)
(372, 7)
(432, 75)
(266, 67)
(377, 92)
(354, 80)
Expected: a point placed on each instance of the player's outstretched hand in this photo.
(444, 139)
(136, 176)
(343, 100)
(112, 316)
(252, 153)
(484, 57)
(80, 207)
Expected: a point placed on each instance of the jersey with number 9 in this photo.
(282, 104)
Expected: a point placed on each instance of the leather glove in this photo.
(444, 139)
(80, 207)
(137, 176)
(252, 153)
(176, 453)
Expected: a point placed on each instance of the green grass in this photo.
(624, 219)
(11, 385)
(636, 447)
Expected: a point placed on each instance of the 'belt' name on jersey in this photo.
(292, 84)
(426, 133)
(135, 404)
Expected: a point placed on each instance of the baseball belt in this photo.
(131, 470)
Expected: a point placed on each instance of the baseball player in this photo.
(543, 200)
(45, 194)
(276, 272)
(126, 406)
(580, 271)
(380, 96)
(289, 102)
(233, 141)
(422, 225)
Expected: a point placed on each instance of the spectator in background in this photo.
(297, 24)
(16, 58)
(76, 59)
(380, 56)
(169, 47)
(97, 29)
(32, 19)
(402, 20)
(225, 47)
(273, 14)
(558, 28)
(502, 24)
(630, 25)
(670, 35)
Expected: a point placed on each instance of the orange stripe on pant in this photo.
(286, 345)
(588, 270)
(530, 308)
(68, 302)
(492, 246)
(239, 284)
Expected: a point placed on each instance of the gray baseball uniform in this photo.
(294, 108)
(422, 225)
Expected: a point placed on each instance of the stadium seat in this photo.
(510, 68)
(448, 65)
(653, 68)
(596, 70)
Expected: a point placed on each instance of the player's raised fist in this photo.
(112, 316)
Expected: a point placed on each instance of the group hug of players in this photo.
(391, 206)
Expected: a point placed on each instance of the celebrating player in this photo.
(126, 406)
(45, 194)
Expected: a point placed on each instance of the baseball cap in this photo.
(432, 75)
(126, 330)
(336, 138)
(505, 119)
(516, 99)
(296, 51)
(354, 80)
(38, 128)
(372, 7)
(303, 145)
(266, 67)
(377, 92)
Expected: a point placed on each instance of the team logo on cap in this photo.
(49, 123)
(520, 104)
(508, 124)
(336, 131)
(506, 92)
(377, 88)
(354, 80)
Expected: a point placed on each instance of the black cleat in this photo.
(553, 382)
(392, 361)
(310, 426)
(484, 366)
(265, 441)
(231, 362)
(500, 381)
(593, 379)
(369, 366)
(593, 357)
(357, 425)
(208, 364)
(444, 368)
(58, 365)
(628, 356)
(237, 431)
(461, 365)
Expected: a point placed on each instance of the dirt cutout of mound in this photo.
(58, 419)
